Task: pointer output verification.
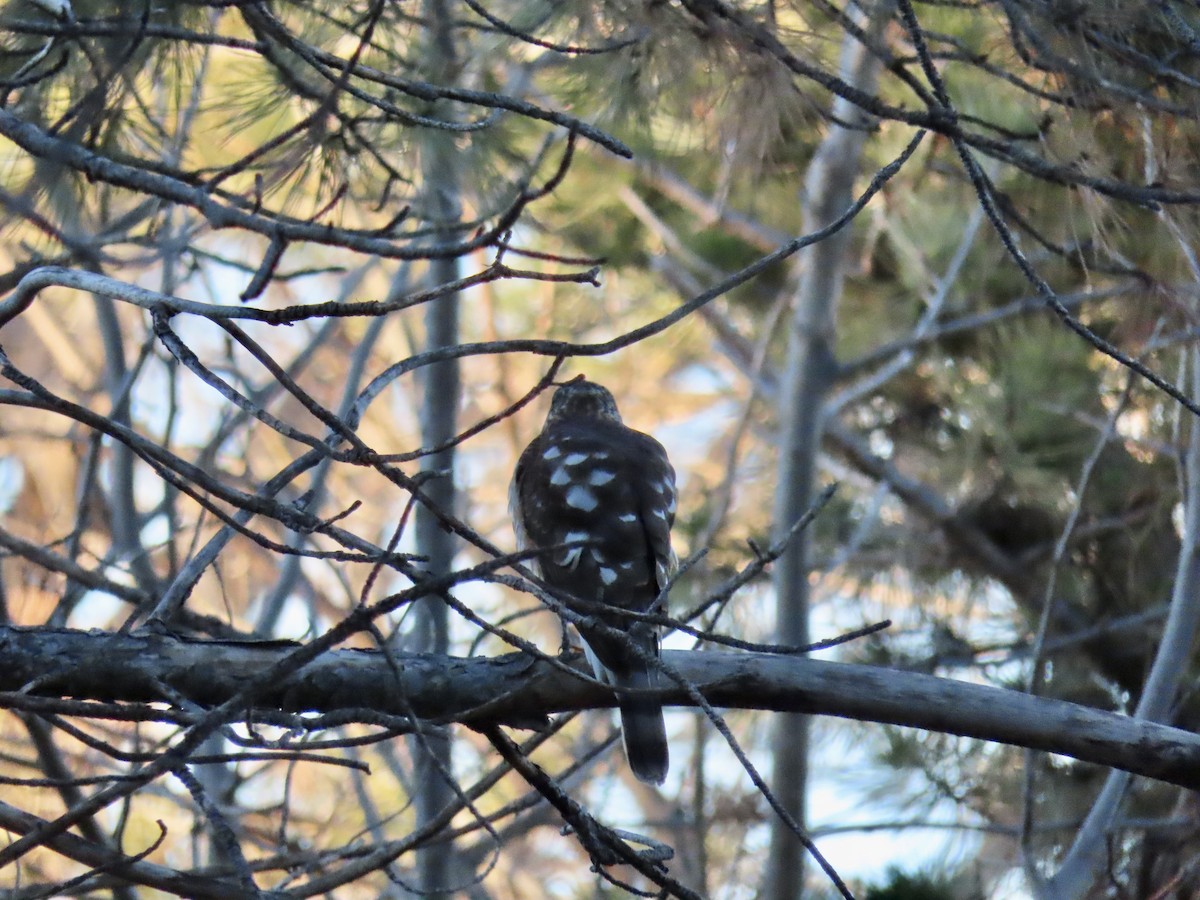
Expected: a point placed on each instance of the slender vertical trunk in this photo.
(1092, 846)
(439, 422)
(811, 367)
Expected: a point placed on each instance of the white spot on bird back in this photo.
(575, 459)
(627, 517)
(570, 557)
(608, 576)
(581, 498)
(552, 453)
(560, 476)
(601, 476)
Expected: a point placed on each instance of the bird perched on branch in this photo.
(599, 499)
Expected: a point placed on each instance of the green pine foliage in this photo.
(902, 885)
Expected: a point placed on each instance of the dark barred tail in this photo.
(644, 731)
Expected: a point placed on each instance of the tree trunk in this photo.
(1091, 849)
(439, 422)
(807, 380)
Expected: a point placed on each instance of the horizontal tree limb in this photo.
(521, 691)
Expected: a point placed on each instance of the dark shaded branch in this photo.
(522, 691)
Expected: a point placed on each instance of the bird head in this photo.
(580, 397)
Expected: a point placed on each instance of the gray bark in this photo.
(1090, 850)
(807, 381)
(439, 422)
(48, 664)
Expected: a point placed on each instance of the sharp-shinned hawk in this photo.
(590, 481)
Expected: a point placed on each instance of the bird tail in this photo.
(642, 728)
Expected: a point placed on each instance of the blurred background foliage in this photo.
(951, 373)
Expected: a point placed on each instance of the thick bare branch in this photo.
(518, 690)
